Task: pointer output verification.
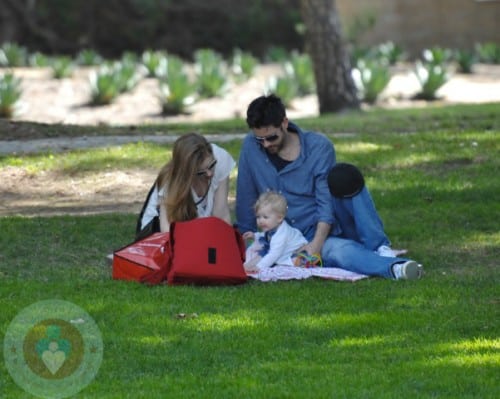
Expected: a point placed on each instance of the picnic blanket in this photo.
(298, 273)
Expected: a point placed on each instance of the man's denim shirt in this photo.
(302, 182)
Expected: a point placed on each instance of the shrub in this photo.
(243, 65)
(104, 86)
(431, 77)
(303, 72)
(465, 60)
(127, 74)
(176, 89)
(38, 60)
(211, 76)
(285, 86)
(488, 52)
(154, 62)
(388, 51)
(62, 67)
(432, 71)
(175, 94)
(437, 55)
(10, 93)
(12, 55)
(371, 78)
(89, 57)
(276, 54)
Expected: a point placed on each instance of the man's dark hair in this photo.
(265, 111)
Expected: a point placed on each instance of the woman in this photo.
(195, 183)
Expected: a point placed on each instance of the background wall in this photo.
(416, 24)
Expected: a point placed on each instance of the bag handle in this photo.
(155, 277)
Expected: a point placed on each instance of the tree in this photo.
(332, 67)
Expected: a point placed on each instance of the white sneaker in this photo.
(409, 270)
(388, 252)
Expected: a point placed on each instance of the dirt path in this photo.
(46, 100)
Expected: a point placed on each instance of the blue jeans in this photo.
(356, 237)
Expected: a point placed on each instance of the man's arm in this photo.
(315, 246)
(246, 194)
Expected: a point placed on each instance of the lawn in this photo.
(434, 176)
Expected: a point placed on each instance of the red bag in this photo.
(146, 260)
(206, 251)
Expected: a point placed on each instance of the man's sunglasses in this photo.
(210, 168)
(271, 138)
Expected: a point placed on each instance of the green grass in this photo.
(434, 176)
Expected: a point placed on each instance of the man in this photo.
(347, 232)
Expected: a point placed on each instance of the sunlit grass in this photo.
(436, 189)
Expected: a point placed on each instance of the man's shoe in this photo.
(409, 270)
(388, 252)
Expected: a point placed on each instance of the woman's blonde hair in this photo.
(275, 200)
(177, 176)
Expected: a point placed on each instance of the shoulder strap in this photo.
(144, 206)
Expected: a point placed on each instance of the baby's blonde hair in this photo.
(275, 200)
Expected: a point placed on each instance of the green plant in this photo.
(276, 54)
(388, 51)
(10, 93)
(431, 77)
(127, 74)
(465, 60)
(154, 62)
(211, 73)
(13, 55)
(359, 52)
(62, 67)
(176, 93)
(371, 78)
(285, 86)
(38, 60)
(437, 55)
(488, 52)
(303, 72)
(104, 85)
(243, 65)
(130, 57)
(89, 57)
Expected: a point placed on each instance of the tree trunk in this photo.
(332, 66)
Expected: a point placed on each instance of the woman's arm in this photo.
(164, 224)
(221, 205)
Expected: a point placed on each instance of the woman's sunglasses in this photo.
(210, 168)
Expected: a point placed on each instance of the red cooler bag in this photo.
(137, 261)
(206, 251)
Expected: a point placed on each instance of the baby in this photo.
(277, 242)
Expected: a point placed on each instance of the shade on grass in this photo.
(436, 189)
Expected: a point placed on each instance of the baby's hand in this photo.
(250, 268)
(249, 235)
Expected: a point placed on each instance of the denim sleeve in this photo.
(323, 196)
(246, 190)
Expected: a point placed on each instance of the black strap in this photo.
(144, 206)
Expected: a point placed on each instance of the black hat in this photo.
(345, 180)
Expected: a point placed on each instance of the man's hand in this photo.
(315, 246)
(312, 248)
